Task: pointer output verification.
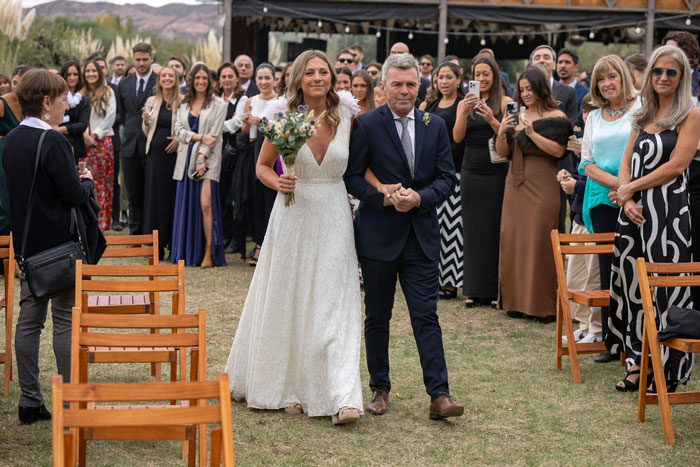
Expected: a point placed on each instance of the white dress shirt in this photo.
(145, 78)
(411, 127)
(101, 125)
(235, 123)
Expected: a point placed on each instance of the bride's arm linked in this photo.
(284, 183)
(382, 188)
(358, 164)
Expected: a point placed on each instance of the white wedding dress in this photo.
(299, 336)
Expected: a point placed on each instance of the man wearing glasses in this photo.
(345, 59)
(426, 66)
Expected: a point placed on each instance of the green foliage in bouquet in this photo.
(287, 132)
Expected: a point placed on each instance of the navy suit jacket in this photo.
(129, 111)
(381, 231)
(581, 91)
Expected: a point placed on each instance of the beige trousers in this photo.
(582, 274)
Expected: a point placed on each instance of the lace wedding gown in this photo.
(298, 339)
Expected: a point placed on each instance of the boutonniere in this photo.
(427, 118)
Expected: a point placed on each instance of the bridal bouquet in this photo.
(287, 132)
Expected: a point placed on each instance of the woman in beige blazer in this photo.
(197, 229)
(159, 116)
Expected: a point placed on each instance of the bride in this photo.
(297, 346)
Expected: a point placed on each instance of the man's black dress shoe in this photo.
(117, 226)
(544, 319)
(607, 357)
(29, 415)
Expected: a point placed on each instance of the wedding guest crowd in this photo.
(187, 143)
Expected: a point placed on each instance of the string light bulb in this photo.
(688, 22)
(265, 9)
(447, 40)
(482, 42)
(347, 29)
(319, 24)
(379, 34)
(638, 30)
(521, 41)
(410, 36)
(591, 35)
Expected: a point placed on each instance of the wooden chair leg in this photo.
(571, 344)
(68, 449)
(661, 394)
(215, 455)
(82, 448)
(7, 370)
(192, 449)
(558, 344)
(643, 370)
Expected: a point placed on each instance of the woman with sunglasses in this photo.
(375, 71)
(654, 222)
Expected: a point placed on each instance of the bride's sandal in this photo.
(346, 415)
(294, 409)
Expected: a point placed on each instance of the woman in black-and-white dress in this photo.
(653, 175)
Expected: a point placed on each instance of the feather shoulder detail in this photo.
(348, 102)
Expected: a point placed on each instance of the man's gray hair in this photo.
(235, 62)
(544, 46)
(401, 61)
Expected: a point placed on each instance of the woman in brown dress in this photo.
(527, 279)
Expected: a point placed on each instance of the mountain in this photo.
(170, 21)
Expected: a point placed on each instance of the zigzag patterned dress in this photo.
(450, 211)
(663, 237)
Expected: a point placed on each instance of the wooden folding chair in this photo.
(131, 247)
(163, 423)
(7, 254)
(96, 330)
(577, 244)
(151, 280)
(663, 275)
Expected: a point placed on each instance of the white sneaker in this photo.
(589, 338)
(578, 335)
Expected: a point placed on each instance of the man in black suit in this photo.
(398, 235)
(116, 145)
(244, 65)
(566, 98)
(131, 96)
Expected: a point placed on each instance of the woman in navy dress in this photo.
(197, 228)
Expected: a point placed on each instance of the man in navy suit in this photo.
(397, 232)
(131, 97)
(567, 68)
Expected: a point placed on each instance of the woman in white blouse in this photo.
(98, 137)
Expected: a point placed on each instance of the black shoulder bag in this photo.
(50, 272)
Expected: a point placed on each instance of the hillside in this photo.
(172, 20)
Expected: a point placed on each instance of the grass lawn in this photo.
(519, 408)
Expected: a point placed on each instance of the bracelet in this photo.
(501, 138)
(200, 160)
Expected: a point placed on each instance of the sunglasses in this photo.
(373, 72)
(670, 72)
(346, 60)
(425, 64)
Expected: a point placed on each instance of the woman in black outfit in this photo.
(77, 116)
(161, 153)
(58, 189)
(234, 224)
(449, 92)
(482, 183)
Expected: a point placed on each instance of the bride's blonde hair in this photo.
(295, 96)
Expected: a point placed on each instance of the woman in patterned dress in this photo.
(449, 96)
(654, 222)
(98, 137)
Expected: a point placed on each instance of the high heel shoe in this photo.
(206, 259)
(256, 255)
